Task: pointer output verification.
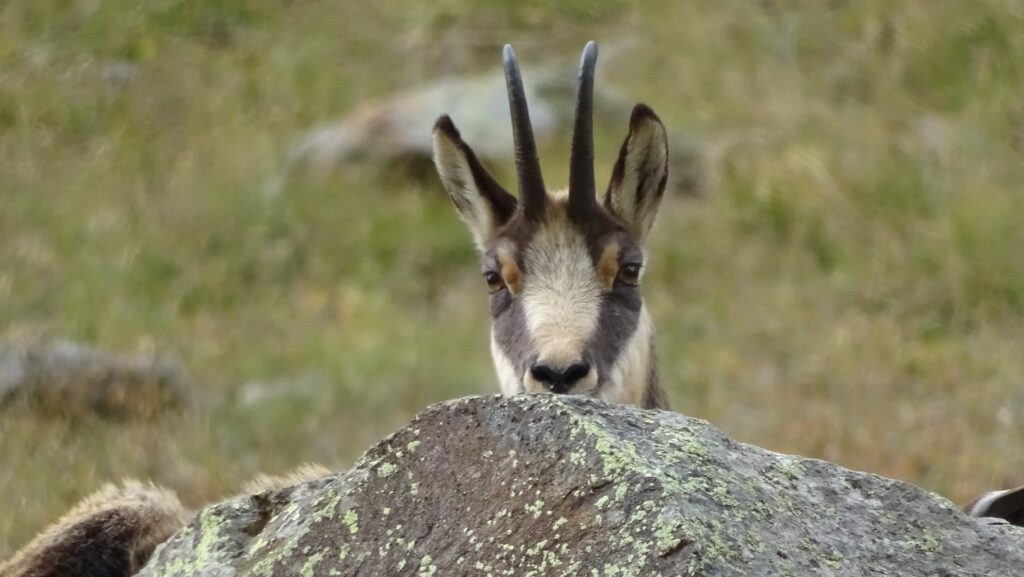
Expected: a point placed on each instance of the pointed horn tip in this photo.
(508, 55)
(590, 51)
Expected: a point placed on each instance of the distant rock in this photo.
(75, 380)
(546, 485)
(398, 129)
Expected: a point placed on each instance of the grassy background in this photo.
(851, 287)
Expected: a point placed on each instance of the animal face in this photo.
(563, 271)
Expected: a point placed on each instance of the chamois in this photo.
(563, 271)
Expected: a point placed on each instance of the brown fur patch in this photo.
(509, 269)
(608, 264)
(111, 533)
(114, 531)
(301, 474)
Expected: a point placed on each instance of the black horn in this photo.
(532, 194)
(581, 163)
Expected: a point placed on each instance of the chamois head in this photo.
(563, 270)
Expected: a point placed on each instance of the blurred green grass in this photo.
(851, 286)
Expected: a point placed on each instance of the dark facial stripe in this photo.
(616, 322)
(508, 321)
(619, 313)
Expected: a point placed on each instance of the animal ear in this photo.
(482, 203)
(1008, 505)
(640, 173)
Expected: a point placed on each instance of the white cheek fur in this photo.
(508, 380)
(627, 381)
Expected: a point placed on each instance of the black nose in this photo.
(559, 381)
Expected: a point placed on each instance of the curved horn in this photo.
(581, 163)
(532, 193)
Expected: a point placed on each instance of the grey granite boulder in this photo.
(545, 485)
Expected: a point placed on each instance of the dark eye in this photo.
(630, 274)
(494, 281)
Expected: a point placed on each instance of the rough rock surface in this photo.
(544, 485)
(75, 380)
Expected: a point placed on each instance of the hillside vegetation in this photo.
(849, 286)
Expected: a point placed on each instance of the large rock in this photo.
(544, 485)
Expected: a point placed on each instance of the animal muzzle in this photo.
(575, 377)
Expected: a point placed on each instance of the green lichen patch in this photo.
(351, 520)
(386, 469)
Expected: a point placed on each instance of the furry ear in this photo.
(1008, 505)
(482, 203)
(640, 173)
